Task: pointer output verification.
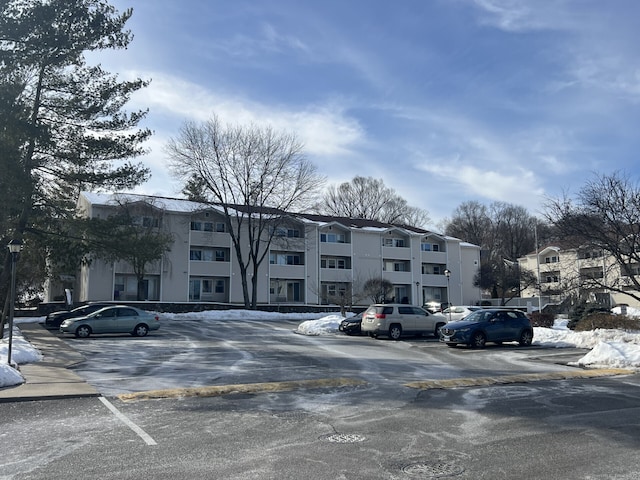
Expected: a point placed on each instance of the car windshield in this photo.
(478, 316)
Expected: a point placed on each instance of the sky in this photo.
(609, 348)
(446, 101)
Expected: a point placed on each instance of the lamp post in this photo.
(447, 273)
(14, 248)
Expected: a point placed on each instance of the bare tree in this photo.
(255, 174)
(504, 232)
(369, 198)
(470, 222)
(604, 217)
(378, 289)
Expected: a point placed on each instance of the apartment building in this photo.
(586, 273)
(311, 260)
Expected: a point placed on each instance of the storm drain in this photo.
(432, 469)
(343, 438)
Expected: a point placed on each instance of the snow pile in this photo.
(323, 326)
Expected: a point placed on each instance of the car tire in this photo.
(141, 330)
(436, 332)
(526, 338)
(478, 340)
(395, 331)
(83, 331)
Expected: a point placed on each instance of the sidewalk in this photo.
(50, 378)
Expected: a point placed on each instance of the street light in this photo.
(14, 248)
(447, 273)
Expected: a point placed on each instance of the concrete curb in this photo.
(49, 379)
(522, 378)
(213, 391)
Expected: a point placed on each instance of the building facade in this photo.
(312, 260)
(584, 273)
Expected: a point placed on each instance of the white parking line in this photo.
(141, 433)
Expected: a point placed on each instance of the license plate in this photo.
(446, 338)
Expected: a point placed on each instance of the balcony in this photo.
(432, 280)
(397, 253)
(287, 271)
(336, 275)
(210, 269)
(210, 239)
(398, 277)
(335, 249)
(433, 257)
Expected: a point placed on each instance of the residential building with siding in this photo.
(312, 258)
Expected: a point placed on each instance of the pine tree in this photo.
(67, 130)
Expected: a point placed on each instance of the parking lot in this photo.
(378, 427)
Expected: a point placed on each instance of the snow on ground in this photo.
(609, 348)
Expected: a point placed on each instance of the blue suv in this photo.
(488, 325)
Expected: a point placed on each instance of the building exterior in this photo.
(312, 260)
(582, 273)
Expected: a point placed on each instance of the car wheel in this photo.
(83, 331)
(478, 340)
(395, 332)
(140, 330)
(436, 333)
(526, 338)
(452, 345)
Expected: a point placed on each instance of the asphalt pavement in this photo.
(50, 378)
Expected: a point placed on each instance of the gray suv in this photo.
(397, 319)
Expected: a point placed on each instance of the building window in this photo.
(220, 227)
(391, 266)
(276, 258)
(287, 232)
(333, 238)
(219, 286)
(393, 242)
(207, 255)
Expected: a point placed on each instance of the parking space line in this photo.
(217, 390)
(522, 378)
(124, 419)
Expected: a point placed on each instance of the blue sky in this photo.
(446, 100)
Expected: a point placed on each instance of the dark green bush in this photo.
(582, 310)
(539, 319)
(606, 320)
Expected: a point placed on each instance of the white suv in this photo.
(395, 320)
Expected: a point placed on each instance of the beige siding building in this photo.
(585, 273)
(311, 260)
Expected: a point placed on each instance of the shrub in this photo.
(606, 320)
(583, 310)
(541, 319)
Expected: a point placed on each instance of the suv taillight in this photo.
(380, 315)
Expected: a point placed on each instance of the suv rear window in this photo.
(380, 310)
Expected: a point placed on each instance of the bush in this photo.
(606, 320)
(582, 310)
(541, 319)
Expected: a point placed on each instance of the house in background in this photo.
(585, 273)
(312, 260)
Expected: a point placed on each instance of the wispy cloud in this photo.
(267, 39)
(325, 129)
